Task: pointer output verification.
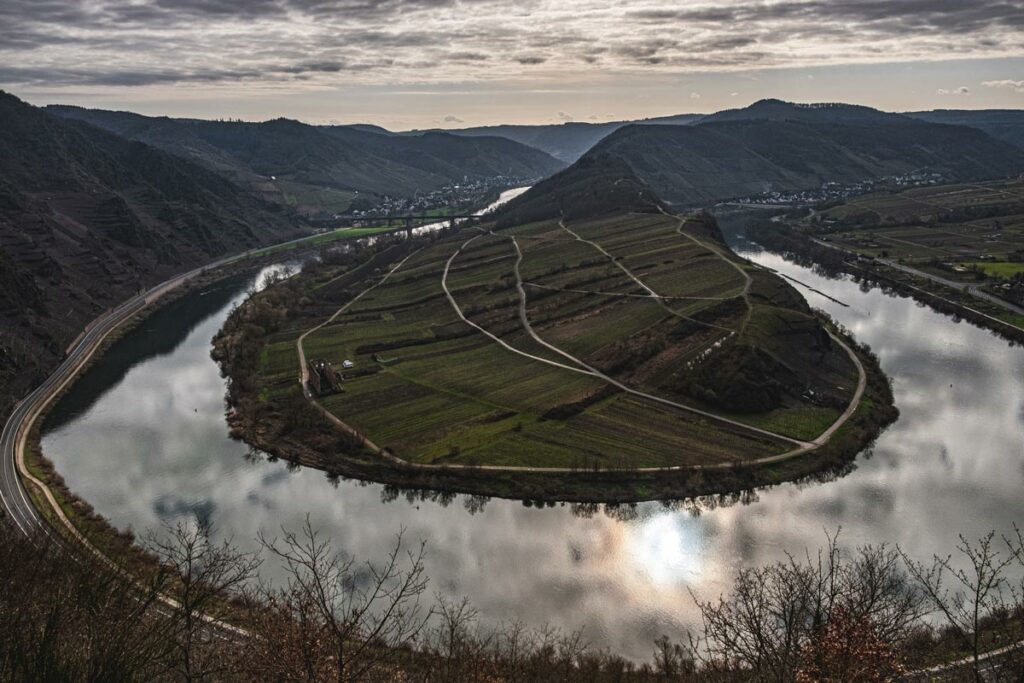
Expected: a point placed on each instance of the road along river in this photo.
(142, 437)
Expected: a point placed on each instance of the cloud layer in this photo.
(313, 44)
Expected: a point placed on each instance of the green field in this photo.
(997, 269)
(432, 388)
(941, 225)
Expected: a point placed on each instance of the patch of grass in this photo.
(799, 422)
(325, 238)
(998, 269)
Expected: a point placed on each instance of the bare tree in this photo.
(205, 575)
(65, 617)
(364, 613)
(775, 612)
(966, 597)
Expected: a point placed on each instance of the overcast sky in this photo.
(452, 63)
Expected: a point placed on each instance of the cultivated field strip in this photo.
(464, 359)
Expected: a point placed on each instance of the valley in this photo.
(601, 347)
(612, 569)
(319, 171)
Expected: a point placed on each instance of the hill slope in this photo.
(570, 141)
(593, 186)
(1002, 124)
(772, 341)
(824, 112)
(733, 158)
(620, 337)
(87, 218)
(325, 166)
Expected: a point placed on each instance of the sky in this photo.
(409, 64)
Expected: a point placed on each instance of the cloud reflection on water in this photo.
(154, 447)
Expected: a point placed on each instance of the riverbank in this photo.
(833, 260)
(615, 486)
(61, 509)
(609, 570)
(46, 493)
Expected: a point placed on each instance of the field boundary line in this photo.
(801, 448)
(304, 369)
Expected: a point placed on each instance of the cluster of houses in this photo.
(469, 192)
(833, 191)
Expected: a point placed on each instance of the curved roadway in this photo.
(23, 514)
(14, 499)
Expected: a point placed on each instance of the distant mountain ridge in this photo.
(774, 146)
(1002, 124)
(566, 141)
(291, 162)
(570, 141)
(820, 112)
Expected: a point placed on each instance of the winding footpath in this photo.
(23, 514)
(14, 499)
(579, 366)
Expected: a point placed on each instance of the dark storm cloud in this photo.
(645, 50)
(468, 56)
(79, 76)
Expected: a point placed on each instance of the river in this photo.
(142, 437)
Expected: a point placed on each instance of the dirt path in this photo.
(651, 294)
(747, 281)
(581, 367)
(616, 383)
(627, 294)
(304, 368)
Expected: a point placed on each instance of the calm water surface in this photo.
(143, 438)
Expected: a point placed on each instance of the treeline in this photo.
(853, 615)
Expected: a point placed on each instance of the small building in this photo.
(323, 380)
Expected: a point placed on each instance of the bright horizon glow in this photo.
(409, 64)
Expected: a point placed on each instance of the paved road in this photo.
(14, 499)
(1003, 664)
(971, 288)
(13, 496)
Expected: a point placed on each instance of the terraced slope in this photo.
(618, 341)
